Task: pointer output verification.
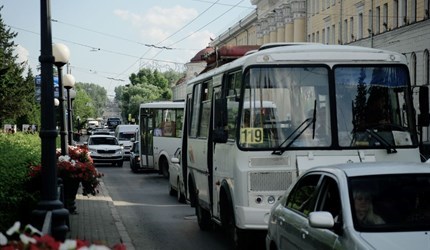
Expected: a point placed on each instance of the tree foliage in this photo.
(83, 107)
(97, 94)
(146, 86)
(17, 98)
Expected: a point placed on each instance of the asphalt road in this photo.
(153, 218)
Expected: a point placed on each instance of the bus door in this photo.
(146, 144)
(225, 111)
(217, 160)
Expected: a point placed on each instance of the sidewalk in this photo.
(98, 221)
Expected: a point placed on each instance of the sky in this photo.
(111, 39)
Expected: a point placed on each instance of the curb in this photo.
(118, 222)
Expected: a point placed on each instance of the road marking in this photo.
(126, 203)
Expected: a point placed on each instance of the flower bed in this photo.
(29, 237)
(77, 166)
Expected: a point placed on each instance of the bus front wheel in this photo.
(164, 167)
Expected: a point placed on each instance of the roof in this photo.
(163, 104)
(102, 136)
(311, 53)
(377, 168)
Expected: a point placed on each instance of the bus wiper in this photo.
(390, 148)
(306, 123)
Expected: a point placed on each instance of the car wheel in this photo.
(171, 189)
(203, 217)
(164, 167)
(179, 194)
(120, 163)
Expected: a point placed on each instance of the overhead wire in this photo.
(174, 33)
(210, 22)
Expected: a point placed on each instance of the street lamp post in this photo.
(61, 54)
(69, 82)
(49, 201)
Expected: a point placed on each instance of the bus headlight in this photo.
(271, 199)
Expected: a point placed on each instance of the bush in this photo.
(17, 196)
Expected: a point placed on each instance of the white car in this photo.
(354, 206)
(105, 149)
(176, 179)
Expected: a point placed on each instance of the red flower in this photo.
(76, 165)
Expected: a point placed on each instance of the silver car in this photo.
(176, 180)
(354, 206)
(105, 149)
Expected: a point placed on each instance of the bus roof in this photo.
(311, 53)
(163, 104)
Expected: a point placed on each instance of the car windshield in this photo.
(127, 136)
(103, 141)
(389, 203)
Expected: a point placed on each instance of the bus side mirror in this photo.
(424, 116)
(220, 134)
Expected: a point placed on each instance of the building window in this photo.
(351, 28)
(360, 25)
(370, 23)
(426, 67)
(378, 20)
(323, 36)
(426, 8)
(395, 13)
(317, 37)
(413, 68)
(333, 34)
(345, 33)
(404, 12)
(385, 17)
(413, 18)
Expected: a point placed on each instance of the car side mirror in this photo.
(174, 160)
(321, 219)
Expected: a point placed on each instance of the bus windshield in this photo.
(290, 106)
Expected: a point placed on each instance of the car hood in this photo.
(401, 240)
(104, 147)
(126, 143)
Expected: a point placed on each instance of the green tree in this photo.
(146, 86)
(83, 106)
(98, 95)
(32, 114)
(16, 93)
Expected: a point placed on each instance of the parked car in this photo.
(105, 149)
(135, 157)
(354, 206)
(176, 179)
